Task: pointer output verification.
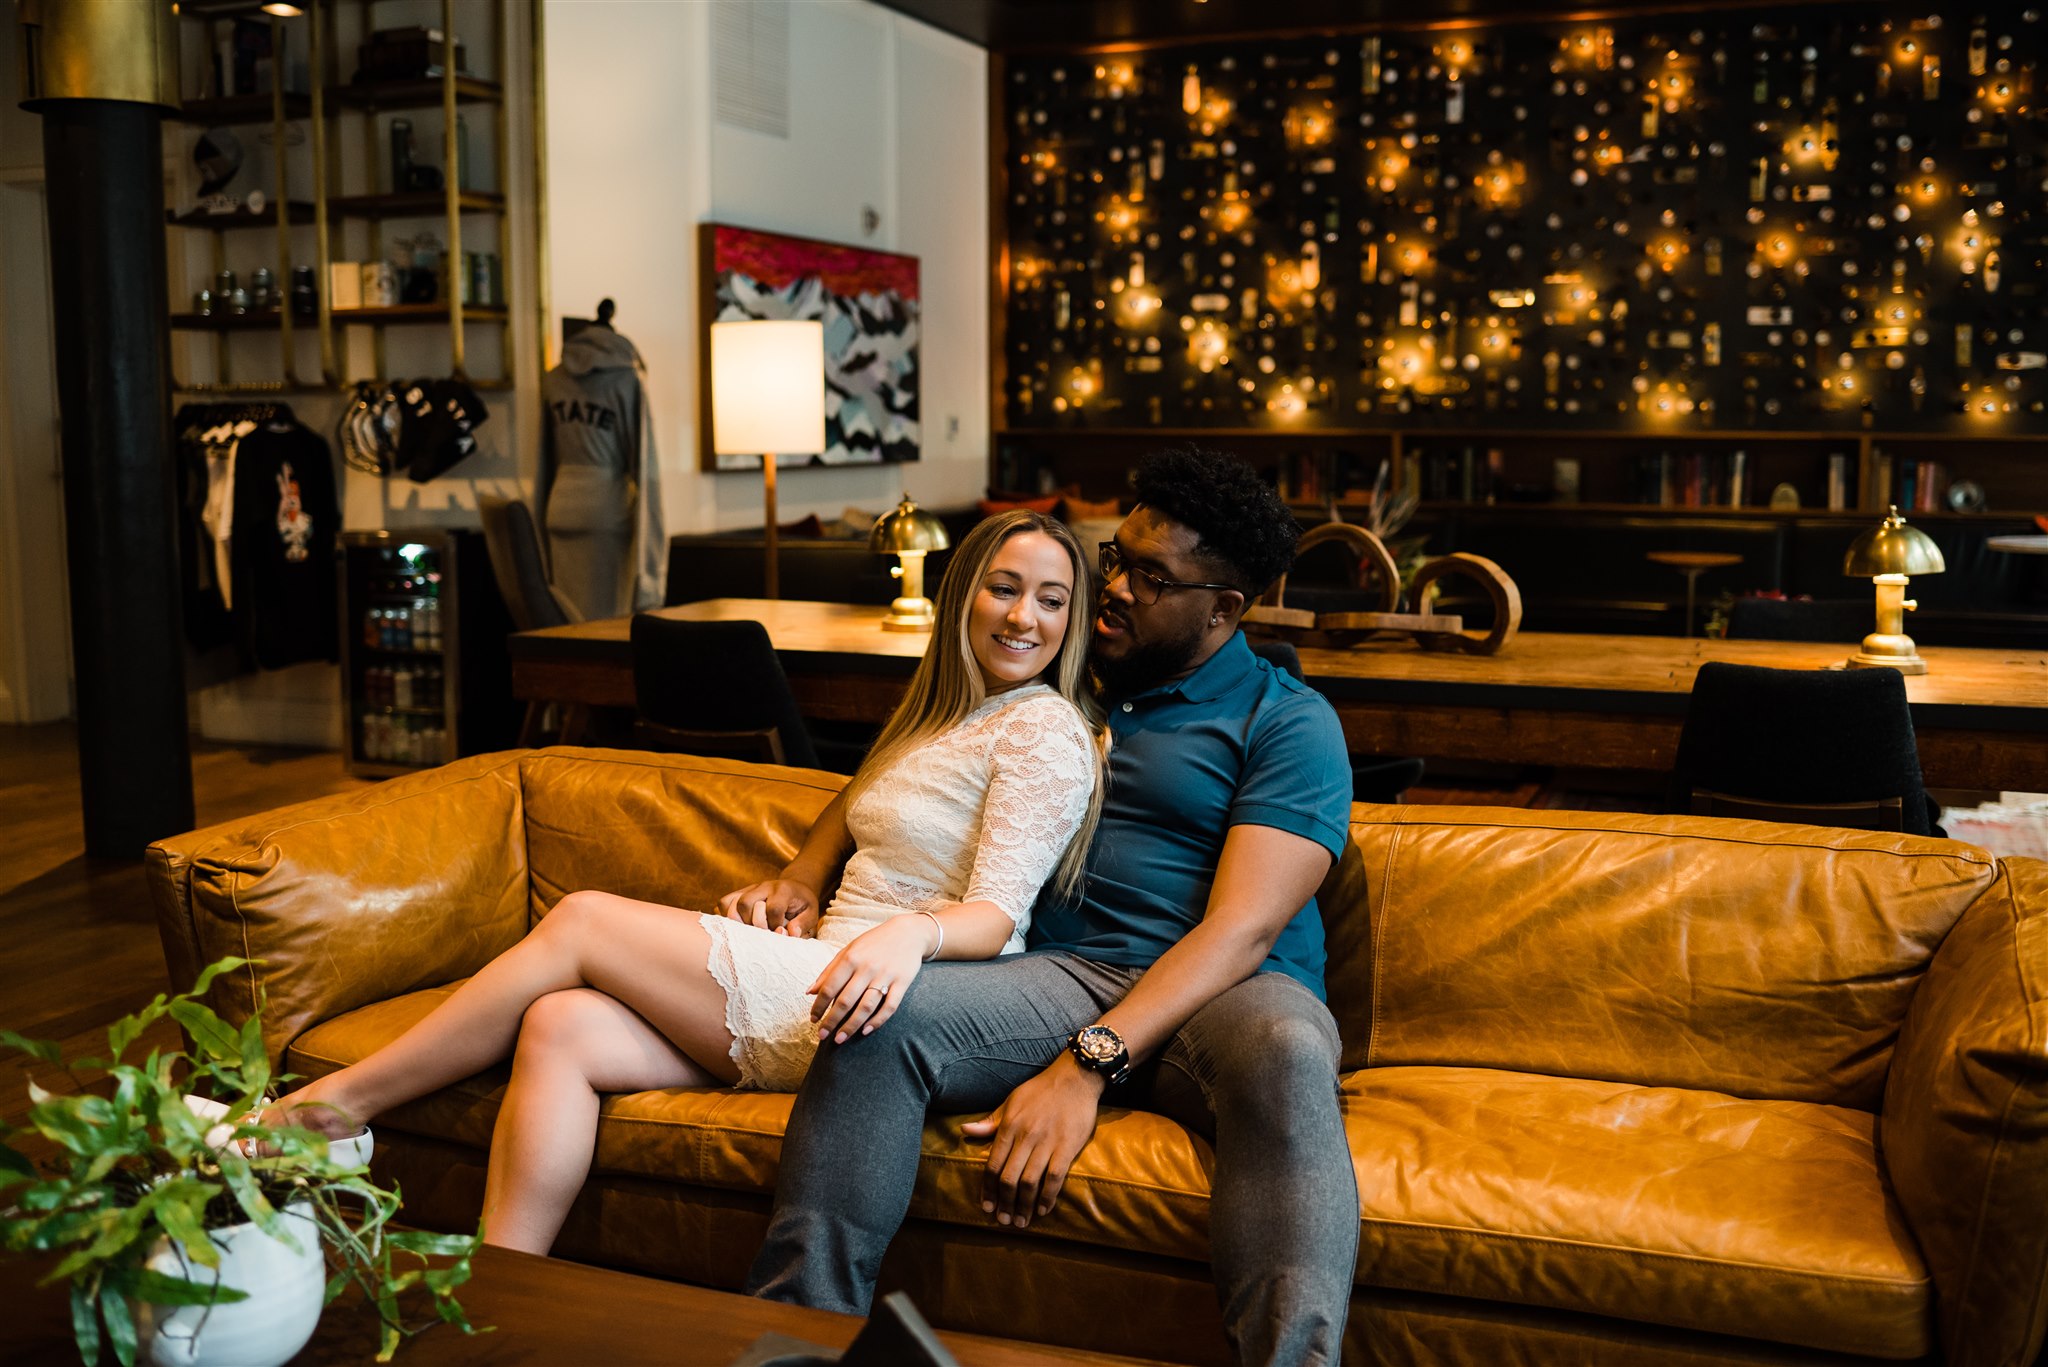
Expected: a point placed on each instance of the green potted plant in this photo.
(189, 1231)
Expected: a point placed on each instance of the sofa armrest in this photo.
(1965, 1129)
(351, 899)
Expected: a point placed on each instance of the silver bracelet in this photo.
(942, 936)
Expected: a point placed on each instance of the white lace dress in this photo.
(982, 812)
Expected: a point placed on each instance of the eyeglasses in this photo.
(1145, 585)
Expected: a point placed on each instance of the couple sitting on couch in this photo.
(1176, 957)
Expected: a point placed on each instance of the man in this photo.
(1187, 979)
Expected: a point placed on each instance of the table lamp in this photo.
(1887, 555)
(908, 533)
(768, 399)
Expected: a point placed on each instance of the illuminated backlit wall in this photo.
(1823, 218)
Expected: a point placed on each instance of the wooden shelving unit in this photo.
(351, 195)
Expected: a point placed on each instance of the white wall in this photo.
(885, 113)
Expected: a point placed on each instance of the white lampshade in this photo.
(768, 388)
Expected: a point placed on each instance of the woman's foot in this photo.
(309, 1109)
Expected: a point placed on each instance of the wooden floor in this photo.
(78, 941)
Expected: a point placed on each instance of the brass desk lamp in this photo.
(908, 533)
(1887, 555)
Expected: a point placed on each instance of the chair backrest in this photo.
(1802, 736)
(716, 688)
(1878, 814)
(519, 566)
(1846, 620)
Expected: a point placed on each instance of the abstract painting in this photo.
(867, 301)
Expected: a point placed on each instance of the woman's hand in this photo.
(782, 905)
(863, 986)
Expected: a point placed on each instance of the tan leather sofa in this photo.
(1621, 1089)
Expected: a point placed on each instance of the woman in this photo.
(985, 782)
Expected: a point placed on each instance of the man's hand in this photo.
(782, 905)
(1038, 1132)
(863, 986)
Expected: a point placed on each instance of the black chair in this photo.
(715, 688)
(520, 567)
(1376, 780)
(1847, 620)
(1825, 747)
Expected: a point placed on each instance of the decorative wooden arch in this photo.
(1377, 573)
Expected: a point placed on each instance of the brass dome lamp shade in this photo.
(908, 533)
(1887, 555)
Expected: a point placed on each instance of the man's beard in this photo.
(1145, 664)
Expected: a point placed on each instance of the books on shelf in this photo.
(1838, 482)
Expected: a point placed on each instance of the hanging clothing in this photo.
(599, 490)
(286, 515)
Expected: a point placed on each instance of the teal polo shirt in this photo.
(1237, 742)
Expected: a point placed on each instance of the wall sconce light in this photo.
(909, 533)
(1888, 555)
(1287, 402)
(768, 399)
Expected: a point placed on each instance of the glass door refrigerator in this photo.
(424, 673)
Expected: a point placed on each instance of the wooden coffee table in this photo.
(546, 1311)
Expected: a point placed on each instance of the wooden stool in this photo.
(1693, 564)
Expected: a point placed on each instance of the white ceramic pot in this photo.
(267, 1329)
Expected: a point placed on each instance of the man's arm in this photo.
(1263, 878)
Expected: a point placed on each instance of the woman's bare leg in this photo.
(652, 958)
(573, 1045)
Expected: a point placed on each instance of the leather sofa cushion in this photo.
(678, 830)
(1753, 958)
(1767, 1219)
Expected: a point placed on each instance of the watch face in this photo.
(1099, 1043)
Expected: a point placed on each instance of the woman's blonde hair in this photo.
(948, 683)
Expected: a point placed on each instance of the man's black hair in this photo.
(1243, 527)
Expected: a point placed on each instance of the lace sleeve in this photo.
(1042, 776)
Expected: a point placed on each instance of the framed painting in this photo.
(867, 301)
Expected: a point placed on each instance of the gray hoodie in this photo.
(598, 494)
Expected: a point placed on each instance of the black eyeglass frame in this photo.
(1110, 562)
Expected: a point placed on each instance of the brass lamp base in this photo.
(1889, 645)
(1889, 652)
(910, 614)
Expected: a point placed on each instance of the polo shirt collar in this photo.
(1221, 672)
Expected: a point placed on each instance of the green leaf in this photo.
(214, 970)
(253, 1055)
(85, 1321)
(128, 1029)
(58, 1120)
(159, 1289)
(182, 1213)
(208, 1031)
(14, 1166)
(336, 1284)
(46, 1050)
(426, 1243)
(254, 1204)
(120, 1321)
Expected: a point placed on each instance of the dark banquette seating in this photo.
(820, 568)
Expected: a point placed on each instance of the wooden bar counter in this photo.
(1603, 702)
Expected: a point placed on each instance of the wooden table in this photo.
(1598, 702)
(544, 1312)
